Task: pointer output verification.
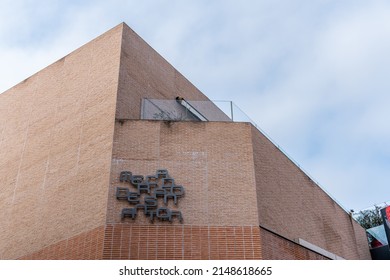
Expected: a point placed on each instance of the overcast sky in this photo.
(314, 75)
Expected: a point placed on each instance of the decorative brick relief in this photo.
(145, 195)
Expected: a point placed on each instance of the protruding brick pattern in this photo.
(275, 247)
(124, 241)
(85, 246)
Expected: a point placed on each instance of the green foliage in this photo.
(369, 218)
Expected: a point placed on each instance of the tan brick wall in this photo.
(181, 242)
(146, 74)
(291, 204)
(212, 160)
(361, 242)
(85, 246)
(56, 143)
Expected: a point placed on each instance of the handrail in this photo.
(190, 108)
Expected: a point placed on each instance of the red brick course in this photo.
(175, 242)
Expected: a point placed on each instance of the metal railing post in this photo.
(231, 110)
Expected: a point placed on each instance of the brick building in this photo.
(69, 131)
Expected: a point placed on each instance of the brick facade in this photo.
(276, 247)
(291, 204)
(181, 242)
(56, 142)
(68, 131)
(175, 242)
(84, 246)
(217, 174)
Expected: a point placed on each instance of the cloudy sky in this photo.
(314, 75)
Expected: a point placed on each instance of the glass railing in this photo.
(181, 110)
(190, 110)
